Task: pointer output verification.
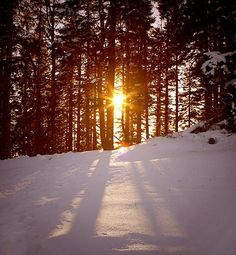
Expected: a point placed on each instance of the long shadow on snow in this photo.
(167, 242)
(80, 238)
(41, 219)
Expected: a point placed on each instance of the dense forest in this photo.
(63, 64)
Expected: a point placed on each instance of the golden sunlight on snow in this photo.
(114, 222)
(64, 227)
(67, 218)
(167, 222)
(92, 167)
(45, 200)
(15, 188)
(144, 213)
(138, 247)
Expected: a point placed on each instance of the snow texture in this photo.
(171, 195)
(217, 61)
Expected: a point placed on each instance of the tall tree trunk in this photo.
(6, 45)
(208, 101)
(78, 146)
(102, 125)
(51, 8)
(158, 106)
(38, 83)
(176, 96)
(167, 62)
(127, 92)
(94, 118)
(146, 88)
(111, 76)
(70, 117)
(87, 118)
(101, 110)
(139, 124)
(166, 102)
(189, 102)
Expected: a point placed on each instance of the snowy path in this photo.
(167, 197)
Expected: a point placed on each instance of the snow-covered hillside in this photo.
(171, 195)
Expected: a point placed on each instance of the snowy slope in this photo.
(171, 195)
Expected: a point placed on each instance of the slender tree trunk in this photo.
(158, 107)
(38, 83)
(166, 117)
(38, 117)
(139, 129)
(102, 125)
(123, 105)
(94, 119)
(208, 101)
(127, 93)
(78, 146)
(53, 78)
(6, 45)
(189, 103)
(146, 88)
(111, 76)
(166, 102)
(216, 97)
(87, 118)
(101, 110)
(176, 96)
(70, 117)
(25, 126)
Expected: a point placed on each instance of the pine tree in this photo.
(6, 64)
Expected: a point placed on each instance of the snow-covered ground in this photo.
(173, 195)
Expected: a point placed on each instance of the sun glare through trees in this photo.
(118, 100)
(89, 74)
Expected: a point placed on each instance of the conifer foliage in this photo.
(63, 62)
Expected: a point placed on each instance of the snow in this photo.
(216, 61)
(231, 83)
(210, 66)
(172, 195)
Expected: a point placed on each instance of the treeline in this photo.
(61, 62)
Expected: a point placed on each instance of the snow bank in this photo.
(172, 195)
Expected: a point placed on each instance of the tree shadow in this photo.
(79, 239)
(28, 216)
(83, 239)
(193, 204)
(167, 234)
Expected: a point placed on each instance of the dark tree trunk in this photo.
(53, 77)
(38, 84)
(176, 96)
(70, 117)
(208, 101)
(127, 92)
(111, 76)
(139, 124)
(102, 125)
(166, 102)
(158, 106)
(146, 92)
(78, 146)
(94, 118)
(6, 46)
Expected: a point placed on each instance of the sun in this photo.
(118, 100)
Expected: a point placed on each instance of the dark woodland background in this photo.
(60, 61)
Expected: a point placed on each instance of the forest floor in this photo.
(171, 195)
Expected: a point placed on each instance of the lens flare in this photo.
(118, 100)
